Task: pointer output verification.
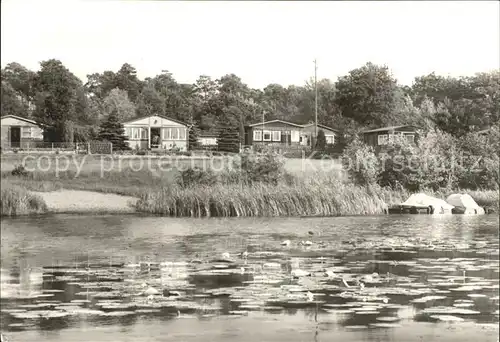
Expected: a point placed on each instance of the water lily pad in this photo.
(463, 305)
(67, 307)
(273, 308)
(12, 311)
(356, 327)
(241, 300)
(35, 314)
(477, 295)
(340, 311)
(367, 312)
(385, 325)
(427, 299)
(238, 312)
(447, 318)
(84, 311)
(366, 308)
(467, 288)
(464, 301)
(449, 311)
(117, 313)
(388, 319)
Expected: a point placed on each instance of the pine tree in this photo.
(112, 130)
(229, 139)
(194, 133)
(321, 140)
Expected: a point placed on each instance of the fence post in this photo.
(110, 148)
(88, 148)
(52, 147)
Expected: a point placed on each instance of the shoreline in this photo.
(86, 202)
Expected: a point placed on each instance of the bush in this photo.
(361, 163)
(479, 160)
(266, 168)
(196, 176)
(20, 170)
(439, 161)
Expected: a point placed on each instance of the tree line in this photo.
(367, 97)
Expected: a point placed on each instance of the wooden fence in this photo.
(92, 147)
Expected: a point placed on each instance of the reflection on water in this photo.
(137, 278)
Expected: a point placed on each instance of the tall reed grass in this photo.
(306, 197)
(313, 195)
(17, 201)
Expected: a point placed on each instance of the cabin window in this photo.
(182, 134)
(330, 139)
(135, 133)
(410, 137)
(383, 139)
(276, 136)
(144, 133)
(26, 132)
(166, 134)
(127, 132)
(295, 136)
(175, 133)
(257, 135)
(267, 136)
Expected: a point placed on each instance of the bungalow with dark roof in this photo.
(382, 136)
(280, 133)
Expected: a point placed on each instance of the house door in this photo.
(155, 137)
(15, 137)
(304, 141)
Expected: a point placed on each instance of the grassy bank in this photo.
(16, 200)
(214, 194)
(127, 182)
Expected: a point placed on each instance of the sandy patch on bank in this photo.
(86, 201)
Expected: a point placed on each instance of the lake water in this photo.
(387, 278)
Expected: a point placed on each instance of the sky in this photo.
(261, 42)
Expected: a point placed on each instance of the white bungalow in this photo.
(18, 132)
(156, 131)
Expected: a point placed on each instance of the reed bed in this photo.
(311, 195)
(17, 201)
(304, 198)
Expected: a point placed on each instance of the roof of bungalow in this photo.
(160, 116)
(291, 124)
(389, 128)
(275, 121)
(484, 131)
(322, 126)
(23, 119)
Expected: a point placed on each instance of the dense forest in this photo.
(366, 97)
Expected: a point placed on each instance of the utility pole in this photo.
(315, 101)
